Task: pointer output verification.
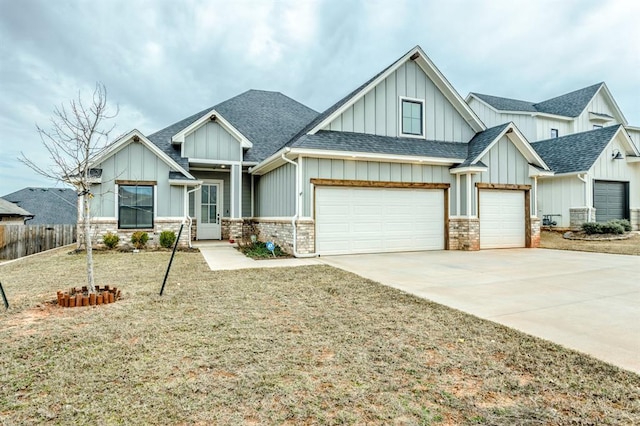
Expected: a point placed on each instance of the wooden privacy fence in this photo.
(22, 240)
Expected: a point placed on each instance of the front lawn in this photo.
(554, 240)
(306, 345)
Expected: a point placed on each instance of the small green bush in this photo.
(612, 227)
(625, 224)
(618, 226)
(590, 228)
(139, 239)
(259, 250)
(111, 240)
(167, 238)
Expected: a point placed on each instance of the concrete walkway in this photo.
(222, 256)
(585, 301)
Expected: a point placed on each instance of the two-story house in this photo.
(586, 140)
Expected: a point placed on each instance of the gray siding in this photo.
(136, 162)
(275, 192)
(212, 142)
(226, 187)
(378, 111)
(369, 170)
(246, 195)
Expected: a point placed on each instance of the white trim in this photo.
(272, 163)
(252, 195)
(468, 169)
(457, 194)
(518, 139)
(468, 191)
(632, 159)
(182, 182)
(179, 137)
(594, 116)
(124, 140)
(429, 68)
(535, 172)
(214, 162)
(423, 120)
(169, 219)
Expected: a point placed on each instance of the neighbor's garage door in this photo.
(502, 223)
(374, 220)
(610, 200)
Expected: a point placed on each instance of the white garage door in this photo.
(502, 223)
(375, 220)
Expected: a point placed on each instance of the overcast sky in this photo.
(162, 61)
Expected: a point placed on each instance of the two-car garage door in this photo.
(372, 220)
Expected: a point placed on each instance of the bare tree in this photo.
(78, 133)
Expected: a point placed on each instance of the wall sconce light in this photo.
(616, 155)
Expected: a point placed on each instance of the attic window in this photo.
(554, 133)
(412, 117)
(597, 126)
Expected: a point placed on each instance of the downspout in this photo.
(186, 210)
(583, 178)
(295, 217)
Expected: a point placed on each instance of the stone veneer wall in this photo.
(280, 232)
(535, 232)
(99, 227)
(580, 215)
(635, 219)
(464, 233)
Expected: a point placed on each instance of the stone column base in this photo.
(535, 232)
(464, 233)
(580, 215)
(635, 219)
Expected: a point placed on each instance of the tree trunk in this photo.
(86, 224)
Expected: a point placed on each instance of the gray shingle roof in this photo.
(361, 142)
(333, 108)
(267, 119)
(576, 152)
(7, 208)
(481, 141)
(49, 205)
(567, 105)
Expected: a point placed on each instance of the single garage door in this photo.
(502, 223)
(610, 200)
(375, 220)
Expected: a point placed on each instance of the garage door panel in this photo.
(610, 200)
(502, 219)
(379, 220)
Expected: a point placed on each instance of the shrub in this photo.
(625, 224)
(592, 228)
(259, 250)
(110, 240)
(612, 227)
(139, 239)
(167, 238)
(618, 226)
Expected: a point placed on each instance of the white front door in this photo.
(208, 213)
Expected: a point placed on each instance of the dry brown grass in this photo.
(306, 345)
(554, 240)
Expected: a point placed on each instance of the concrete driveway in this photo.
(585, 301)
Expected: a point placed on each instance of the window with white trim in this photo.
(554, 133)
(412, 116)
(135, 206)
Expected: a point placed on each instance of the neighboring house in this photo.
(586, 140)
(401, 163)
(50, 206)
(11, 214)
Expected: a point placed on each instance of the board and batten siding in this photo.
(598, 104)
(556, 195)
(225, 177)
(370, 171)
(634, 134)
(275, 192)
(211, 141)
(505, 165)
(135, 162)
(606, 168)
(524, 122)
(378, 111)
(544, 126)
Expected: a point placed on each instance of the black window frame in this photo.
(402, 116)
(556, 132)
(148, 208)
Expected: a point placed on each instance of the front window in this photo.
(412, 117)
(135, 206)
